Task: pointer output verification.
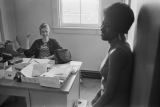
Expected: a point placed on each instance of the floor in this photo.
(88, 89)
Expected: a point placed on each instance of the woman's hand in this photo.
(28, 41)
(18, 41)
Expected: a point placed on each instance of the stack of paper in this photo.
(56, 76)
(35, 61)
(27, 72)
(19, 66)
(39, 69)
(32, 71)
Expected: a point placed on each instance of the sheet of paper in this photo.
(9, 69)
(34, 60)
(27, 71)
(26, 60)
(61, 71)
(38, 69)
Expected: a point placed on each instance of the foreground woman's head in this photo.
(118, 19)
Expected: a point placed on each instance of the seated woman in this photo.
(44, 47)
(117, 68)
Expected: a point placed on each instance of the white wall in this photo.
(8, 25)
(8, 18)
(89, 49)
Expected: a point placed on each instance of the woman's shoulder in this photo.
(123, 49)
(38, 40)
(51, 40)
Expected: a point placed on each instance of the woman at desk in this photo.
(44, 47)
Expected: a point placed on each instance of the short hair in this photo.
(120, 16)
(43, 25)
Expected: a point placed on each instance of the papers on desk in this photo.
(43, 71)
(39, 73)
(39, 69)
(61, 72)
(35, 61)
(56, 76)
(35, 68)
(32, 71)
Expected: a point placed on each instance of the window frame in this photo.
(57, 29)
(70, 25)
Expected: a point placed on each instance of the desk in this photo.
(38, 96)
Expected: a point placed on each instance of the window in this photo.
(79, 13)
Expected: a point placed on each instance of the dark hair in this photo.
(121, 17)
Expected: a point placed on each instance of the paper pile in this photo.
(56, 76)
(32, 71)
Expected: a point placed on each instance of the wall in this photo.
(8, 25)
(145, 48)
(89, 49)
(8, 18)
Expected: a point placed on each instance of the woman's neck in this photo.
(116, 40)
(45, 39)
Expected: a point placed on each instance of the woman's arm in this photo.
(28, 41)
(53, 46)
(18, 45)
(34, 50)
(50, 57)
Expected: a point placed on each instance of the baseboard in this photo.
(90, 74)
